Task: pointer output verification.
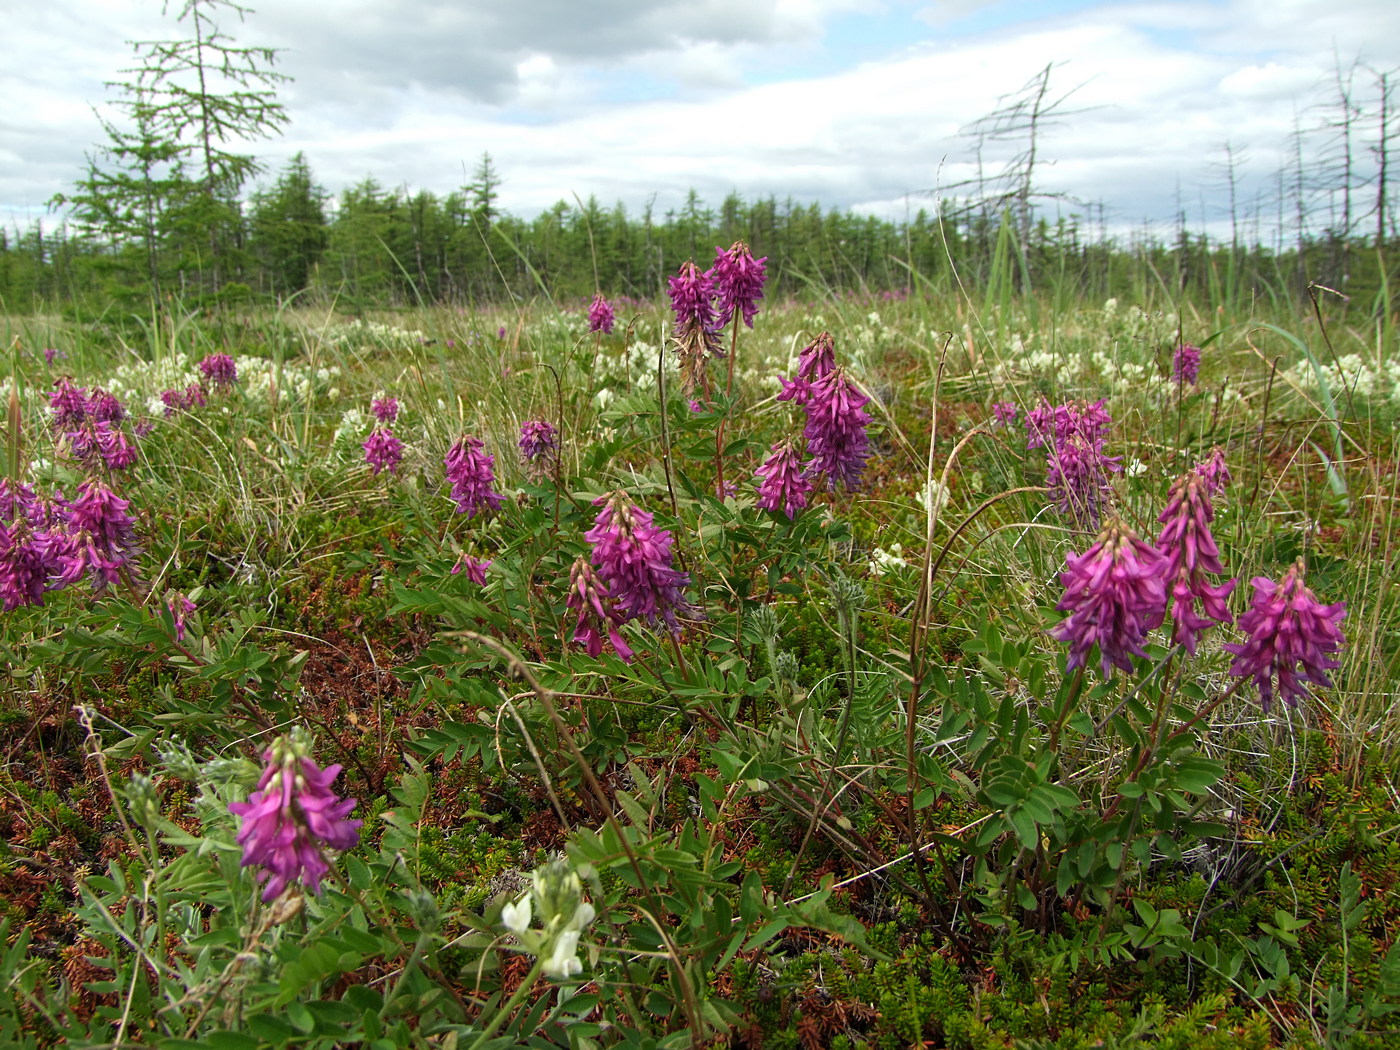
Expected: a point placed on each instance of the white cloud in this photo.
(634, 98)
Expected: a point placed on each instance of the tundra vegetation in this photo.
(430, 628)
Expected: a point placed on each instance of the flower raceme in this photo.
(633, 560)
(292, 818)
(836, 429)
(539, 448)
(1115, 593)
(468, 468)
(696, 333)
(738, 279)
(385, 409)
(601, 317)
(1290, 635)
(1191, 553)
(383, 451)
(782, 484)
(1186, 364)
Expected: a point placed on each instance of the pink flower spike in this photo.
(468, 467)
(292, 818)
(1114, 594)
(600, 315)
(1189, 547)
(383, 451)
(1291, 635)
(782, 484)
(738, 278)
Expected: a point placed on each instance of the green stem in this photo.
(514, 1001)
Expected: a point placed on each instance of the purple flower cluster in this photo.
(291, 818)
(48, 544)
(474, 568)
(696, 333)
(1115, 594)
(97, 442)
(633, 559)
(1191, 553)
(692, 293)
(601, 317)
(816, 359)
(181, 608)
(837, 441)
(1076, 468)
(385, 409)
(1291, 636)
(219, 371)
(782, 484)
(539, 448)
(738, 278)
(1121, 588)
(468, 468)
(1004, 413)
(184, 400)
(1215, 472)
(596, 612)
(1186, 364)
(383, 451)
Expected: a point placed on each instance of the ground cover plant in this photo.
(723, 669)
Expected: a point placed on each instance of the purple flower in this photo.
(1049, 425)
(600, 315)
(68, 403)
(99, 441)
(738, 279)
(782, 484)
(183, 400)
(24, 565)
(1191, 553)
(836, 429)
(1076, 468)
(539, 440)
(475, 568)
(816, 360)
(1214, 471)
(696, 335)
(383, 450)
(633, 559)
(469, 469)
(105, 407)
(180, 608)
(219, 370)
(1004, 413)
(51, 354)
(1114, 594)
(1290, 634)
(692, 297)
(292, 818)
(385, 409)
(99, 536)
(596, 615)
(16, 499)
(1186, 364)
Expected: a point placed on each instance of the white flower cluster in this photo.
(371, 335)
(1372, 381)
(143, 381)
(556, 894)
(258, 378)
(882, 559)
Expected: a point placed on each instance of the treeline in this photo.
(382, 248)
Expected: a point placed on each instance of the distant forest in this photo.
(376, 248)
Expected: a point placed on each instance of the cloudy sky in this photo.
(854, 103)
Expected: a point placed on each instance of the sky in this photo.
(859, 104)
